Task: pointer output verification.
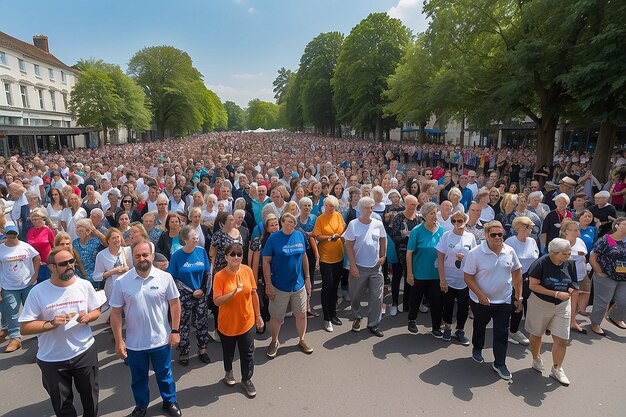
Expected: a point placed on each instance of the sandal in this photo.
(204, 357)
(614, 322)
(312, 313)
(183, 360)
(578, 330)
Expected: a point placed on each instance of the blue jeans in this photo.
(139, 362)
(11, 301)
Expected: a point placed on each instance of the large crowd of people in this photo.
(236, 226)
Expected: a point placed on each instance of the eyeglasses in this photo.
(127, 201)
(494, 235)
(236, 254)
(528, 226)
(162, 204)
(66, 263)
(455, 221)
(429, 175)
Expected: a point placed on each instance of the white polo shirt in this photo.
(366, 238)
(145, 303)
(492, 272)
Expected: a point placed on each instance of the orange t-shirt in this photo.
(237, 314)
(328, 225)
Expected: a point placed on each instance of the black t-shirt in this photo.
(553, 277)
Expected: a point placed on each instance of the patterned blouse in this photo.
(221, 240)
(611, 257)
(88, 254)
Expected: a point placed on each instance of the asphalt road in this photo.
(356, 374)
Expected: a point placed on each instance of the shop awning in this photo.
(10, 130)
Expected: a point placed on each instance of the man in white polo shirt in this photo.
(366, 246)
(58, 312)
(145, 293)
(491, 271)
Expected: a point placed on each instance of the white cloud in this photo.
(241, 96)
(247, 76)
(251, 10)
(410, 12)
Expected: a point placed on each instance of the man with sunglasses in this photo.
(58, 311)
(491, 271)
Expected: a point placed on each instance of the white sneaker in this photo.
(423, 308)
(538, 365)
(393, 310)
(289, 314)
(559, 375)
(328, 326)
(518, 338)
(215, 336)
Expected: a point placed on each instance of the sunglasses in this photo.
(454, 221)
(528, 226)
(127, 201)
(66, 263)
(236, 254)
(494, 235)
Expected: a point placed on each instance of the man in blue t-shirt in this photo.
(286, 269)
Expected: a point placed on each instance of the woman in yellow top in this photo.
(234, 292)
(328, 229)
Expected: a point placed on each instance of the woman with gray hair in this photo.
(552, 223)
(422, 271)
(552, 282)
(190, 268)
(306, 222)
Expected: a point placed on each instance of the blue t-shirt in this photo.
(286, 252)
(588, 235)
(310, 223)
(423, 243)
(189, 268)
(175, 245)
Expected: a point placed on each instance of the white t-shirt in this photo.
(366, 238)
(145, 303)
(487, 214)
(45, 301)
(16, 265)
(35, 183)
(446, 224)
(579, 251)
(450, 244)
(492, 272)
(527, 252)
(71, 219)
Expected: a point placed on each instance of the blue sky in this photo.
(238, 45)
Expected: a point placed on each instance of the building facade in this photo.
(35, 89)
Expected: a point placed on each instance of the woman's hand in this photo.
(563, 295)
(198, 294)
(259, 323)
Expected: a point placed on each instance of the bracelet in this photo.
(556, 294)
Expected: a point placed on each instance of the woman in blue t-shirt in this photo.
(190, 268)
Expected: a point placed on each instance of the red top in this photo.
(42, 239)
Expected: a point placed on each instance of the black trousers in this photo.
(431, 288)
(500, 313)
(245, 343)
(311, 258)
(516, 318)
(57, 379)
(399, 271)
(462, 310)
(331, 276)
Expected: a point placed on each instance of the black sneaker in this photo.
(248, 387)
(138, 412)
(412, 326)
(437, 334)
(335, 321)
(375, 330)
(172, 409)
(356, 325)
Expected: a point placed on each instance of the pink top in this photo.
(42, 239)
(618, 200)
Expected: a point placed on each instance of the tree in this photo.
(368, 57)
(293, 103)
(317, 67)
(280, 84)
(236, 116)
(175, 89)
(514, 53)
(262, 114)
(95, 101)
(134, 114)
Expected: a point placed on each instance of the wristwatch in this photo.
(175, 331)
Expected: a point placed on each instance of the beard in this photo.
(67, 275)
(143, 266)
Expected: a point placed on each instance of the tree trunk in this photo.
(545, 140)
(378, 134)
(604, 149)
(421, 134)
(105, 133)
(462, 133)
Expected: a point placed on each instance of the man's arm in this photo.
(175, 313)
(470, 280)
(116, 326)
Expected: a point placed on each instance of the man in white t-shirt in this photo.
(491, 271)
(59, 311)
(145, 294)
(366, 247)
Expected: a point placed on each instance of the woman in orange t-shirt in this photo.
(328, 229)
(234, 292)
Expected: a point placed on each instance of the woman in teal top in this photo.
(422, 272)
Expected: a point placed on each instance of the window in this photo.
(63, 80)
(65, 102)
(7, 92)
(51, 73)
(3, 58)
(53, 100)
(40, 95)
(37, 70)
(22, 65)
(24, 93)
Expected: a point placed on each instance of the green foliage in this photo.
(293, 103)
(317, 67)
(280, 84)
(368, 57)
(236, 116)
(178, 97)
(263, 114)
